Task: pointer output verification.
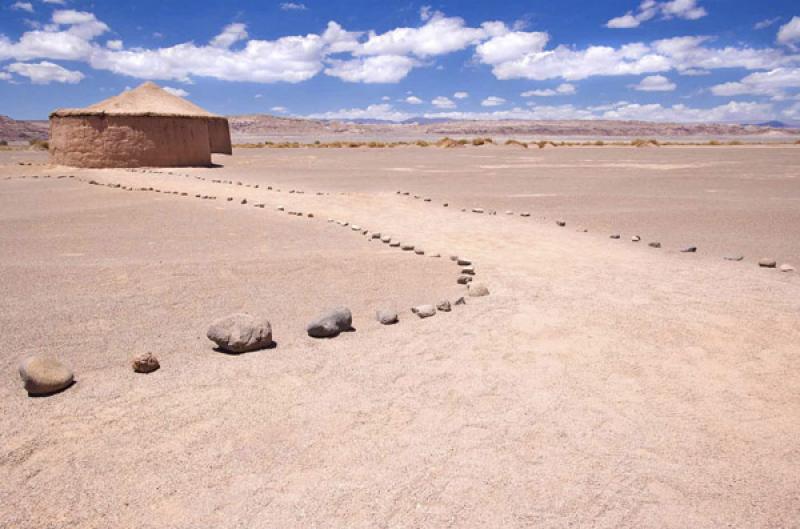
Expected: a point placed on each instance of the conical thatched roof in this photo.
(147, 99)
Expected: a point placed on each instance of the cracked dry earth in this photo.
(601, 384)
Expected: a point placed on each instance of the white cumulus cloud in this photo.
(773, 83)
(561, 90)
(493, 101)
(377, 69)
(45, 72)
(789, 33)
(413, 100)
(649, 9)
(443, 102)
(655, 83)
(22, 6)
(461, 95)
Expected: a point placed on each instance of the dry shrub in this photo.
(515, 142)
(714, 143)
(40, 145)
(599, 143)
(638, 142)
(477, 142)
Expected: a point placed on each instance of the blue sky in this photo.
(664, 60)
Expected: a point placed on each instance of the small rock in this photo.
(477, 210)
(387, 317)
(463, 262)
(355, 227)
(767, 263)
(240, 333)
(460, 301)
(426, 199)
(561, 223)
(145, 363)
(43, 375)
(424, 311)
(734, 258)
(509, 212)
(689, 249)
(331, 323)
(525, 214)
(244, 201)
(468, 270)
(615, 236)
(654, 245)
(444, 306)
(787, 268)
(478, 290)
(435, 255)
(406, 247)
(394, 244)
(386, 239)
(445, 205)
(376, 235)
(463, 280)
(636, 238)
(419, 251)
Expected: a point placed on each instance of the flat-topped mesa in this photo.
(143, 127)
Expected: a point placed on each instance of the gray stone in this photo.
(524, 214)
(468, 270)
(43, 375)
(615, 236)
(460, 301)
(478, 290)
(394, 244)
(386, 239)
(654, 245)
(376, 235)
(443, 306)
(477, 210)
(463, 262)
(561, 223)
(636, 238)
(734, 258)
(387, 317)
(145, 363)
(787, 268)
(424, 311)
(406, 247)
(689, 249)
(419, 251)
(240, 333)
(463, 280)
(331, 323)
(767, 263)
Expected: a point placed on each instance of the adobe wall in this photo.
(129, 141)
(220, 134)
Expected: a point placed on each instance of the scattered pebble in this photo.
(561, 223)
(419, 251)
(477, 210)
(689, 249)
(406, 247)
(615, 236)
(463, 280)
(734, 258)
(767, 263)
(240, 333)
(787, 268)
(468, 270)
(387, 317)
(443, 306)
(463, 262)
(44, 376)
(424, 311)
(145, 363)
(654, 245)
(525, 214)
(461, 301)
(636, 238)
(331, 323)
(478, 290)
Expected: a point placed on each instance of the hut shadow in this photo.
(52, 393)
(271, 345)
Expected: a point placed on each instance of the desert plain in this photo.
(602, 383)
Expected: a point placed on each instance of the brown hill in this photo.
(13, 131)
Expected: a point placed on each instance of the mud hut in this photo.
(143, 127)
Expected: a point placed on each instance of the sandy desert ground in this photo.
(603, 383)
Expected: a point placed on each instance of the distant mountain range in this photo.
(262, 127)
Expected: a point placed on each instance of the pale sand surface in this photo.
(602, 383)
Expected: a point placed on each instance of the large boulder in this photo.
(42, 375)
(240, 333)
(331, 323)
